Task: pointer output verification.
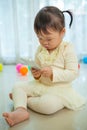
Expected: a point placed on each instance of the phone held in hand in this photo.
(30, 63)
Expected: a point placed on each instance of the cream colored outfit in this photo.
(46, 96)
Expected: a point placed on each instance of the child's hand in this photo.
(47, 72)
(36, 73)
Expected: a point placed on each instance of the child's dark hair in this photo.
(50, 17)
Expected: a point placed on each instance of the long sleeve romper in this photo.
(46, 96)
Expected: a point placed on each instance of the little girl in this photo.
(51, 89)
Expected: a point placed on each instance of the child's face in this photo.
(52, 40)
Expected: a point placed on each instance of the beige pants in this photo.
(26, 94)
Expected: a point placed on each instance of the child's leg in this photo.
(10, 96)
(20, 105)
(46, 104)
(17, 116)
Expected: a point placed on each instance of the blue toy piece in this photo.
(84, 60)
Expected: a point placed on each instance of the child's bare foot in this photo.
(16, 116)
(10, 96)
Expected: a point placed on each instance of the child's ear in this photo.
(63, 32)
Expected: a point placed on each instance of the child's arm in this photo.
(70, 70)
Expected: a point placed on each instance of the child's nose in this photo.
(45, 42)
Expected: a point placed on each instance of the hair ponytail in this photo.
(51, 17)
(71, 16)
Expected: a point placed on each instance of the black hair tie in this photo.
(70, 13)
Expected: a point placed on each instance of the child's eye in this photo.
(49, 39)
(40, 39)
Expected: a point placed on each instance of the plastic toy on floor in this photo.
(18, 66)
(22, 69)
(1, 67)
(84, 60)
(78, 66)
